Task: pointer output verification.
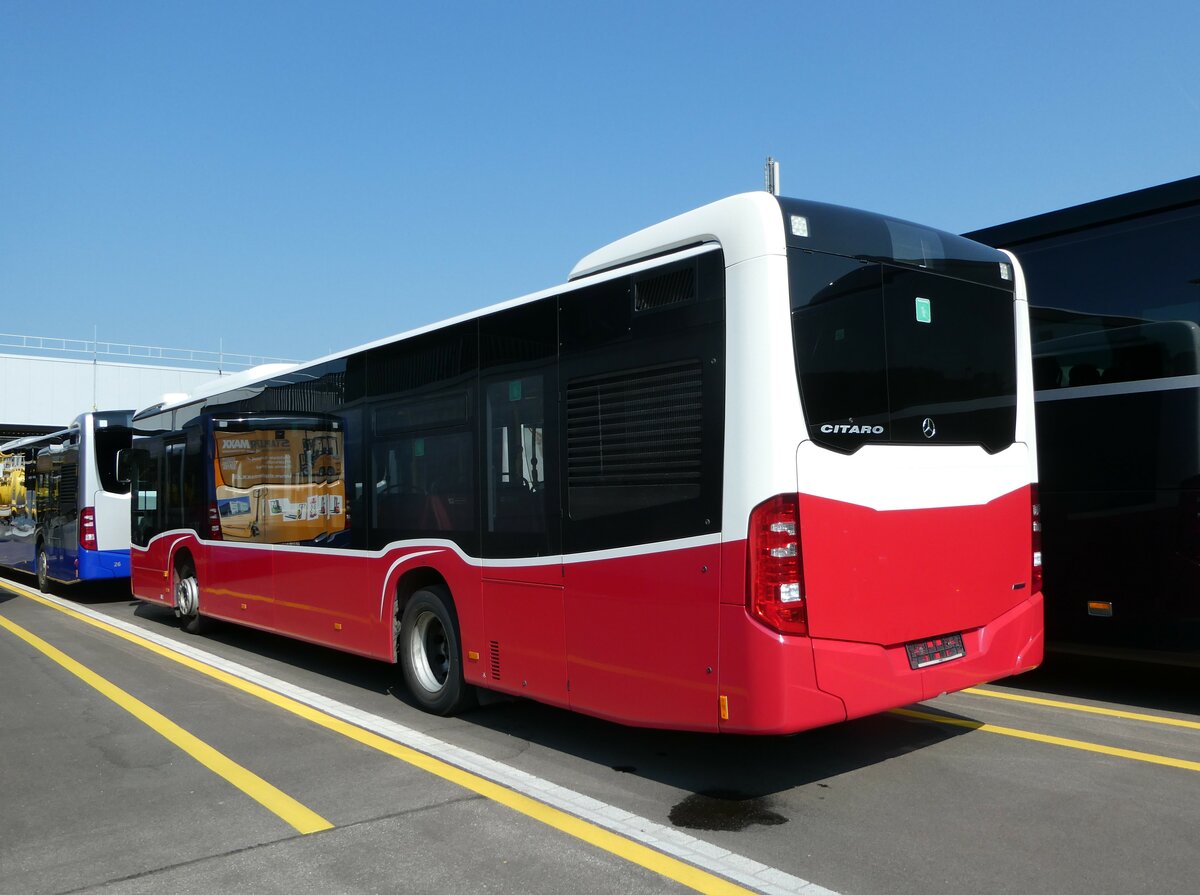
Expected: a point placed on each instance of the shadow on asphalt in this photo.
(88, 593)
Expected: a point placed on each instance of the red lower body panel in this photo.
(777, 684)
(870, 678)
(659, 639)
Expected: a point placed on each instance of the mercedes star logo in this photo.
(928, 427)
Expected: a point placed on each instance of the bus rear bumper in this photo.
(99, 564)
(772, 684)
(871, 678)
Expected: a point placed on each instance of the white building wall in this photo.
(43, 391)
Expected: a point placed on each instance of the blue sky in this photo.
(293, 178)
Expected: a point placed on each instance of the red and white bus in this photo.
(765, 466)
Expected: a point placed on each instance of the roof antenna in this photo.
(772, 176)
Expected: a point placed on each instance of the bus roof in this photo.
(34, 441)
(243, 381)
(746, 226)
(1127, 206)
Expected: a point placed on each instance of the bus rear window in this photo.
(109, 440)
(899, 355)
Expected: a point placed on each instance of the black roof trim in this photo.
(1152, 200)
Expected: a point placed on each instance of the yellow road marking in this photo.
(614, 843)
(1149, 757)
(274, 800)
(1089, 709)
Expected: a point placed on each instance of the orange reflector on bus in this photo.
(1100, 608)
(472, 656)
(724, 708)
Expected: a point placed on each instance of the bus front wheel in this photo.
(430, 655)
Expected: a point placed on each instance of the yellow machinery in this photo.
(12, 486)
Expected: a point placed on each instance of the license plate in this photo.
(923, 653)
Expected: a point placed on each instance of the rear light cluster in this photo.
(1035, 577)
(214, 523)
(87, 529)
(774, 567)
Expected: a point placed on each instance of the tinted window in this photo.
(838, 329)
(174, 486)
(144, 486)
(421, 452)
(835, 230)
(421, 362)
(517, 460)
(1115, 303)
(951, 359)
(518, 349)
(423, 467)
(423, 484)
(890, 354)
(108, 440)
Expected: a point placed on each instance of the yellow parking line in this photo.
(274, 800)
(1149, 757)
(1089, 709)
(634, 852)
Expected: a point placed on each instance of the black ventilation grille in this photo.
(68, 484)
(670, 288)
(635, 428)
(495, 660)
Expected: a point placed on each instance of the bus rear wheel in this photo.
(43, 570)
(430, 655)
(187, 599)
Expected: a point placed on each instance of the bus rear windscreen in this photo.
(900, 355)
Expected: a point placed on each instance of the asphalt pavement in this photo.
(138, 758)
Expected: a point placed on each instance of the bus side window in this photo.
(516, 456)
(518, 438)
(144, 488)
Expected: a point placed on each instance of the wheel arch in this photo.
(181, 557)
(408, 584)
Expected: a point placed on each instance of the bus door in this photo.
(298, 498)
(522, 586)
(145, 465)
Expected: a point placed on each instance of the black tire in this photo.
(430, 654)
(43, 569)
(193, 621)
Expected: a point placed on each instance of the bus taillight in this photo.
(775, 569)
(1035, 583)
(214, 523)
(87, 528)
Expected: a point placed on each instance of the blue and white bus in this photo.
(70, 520)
